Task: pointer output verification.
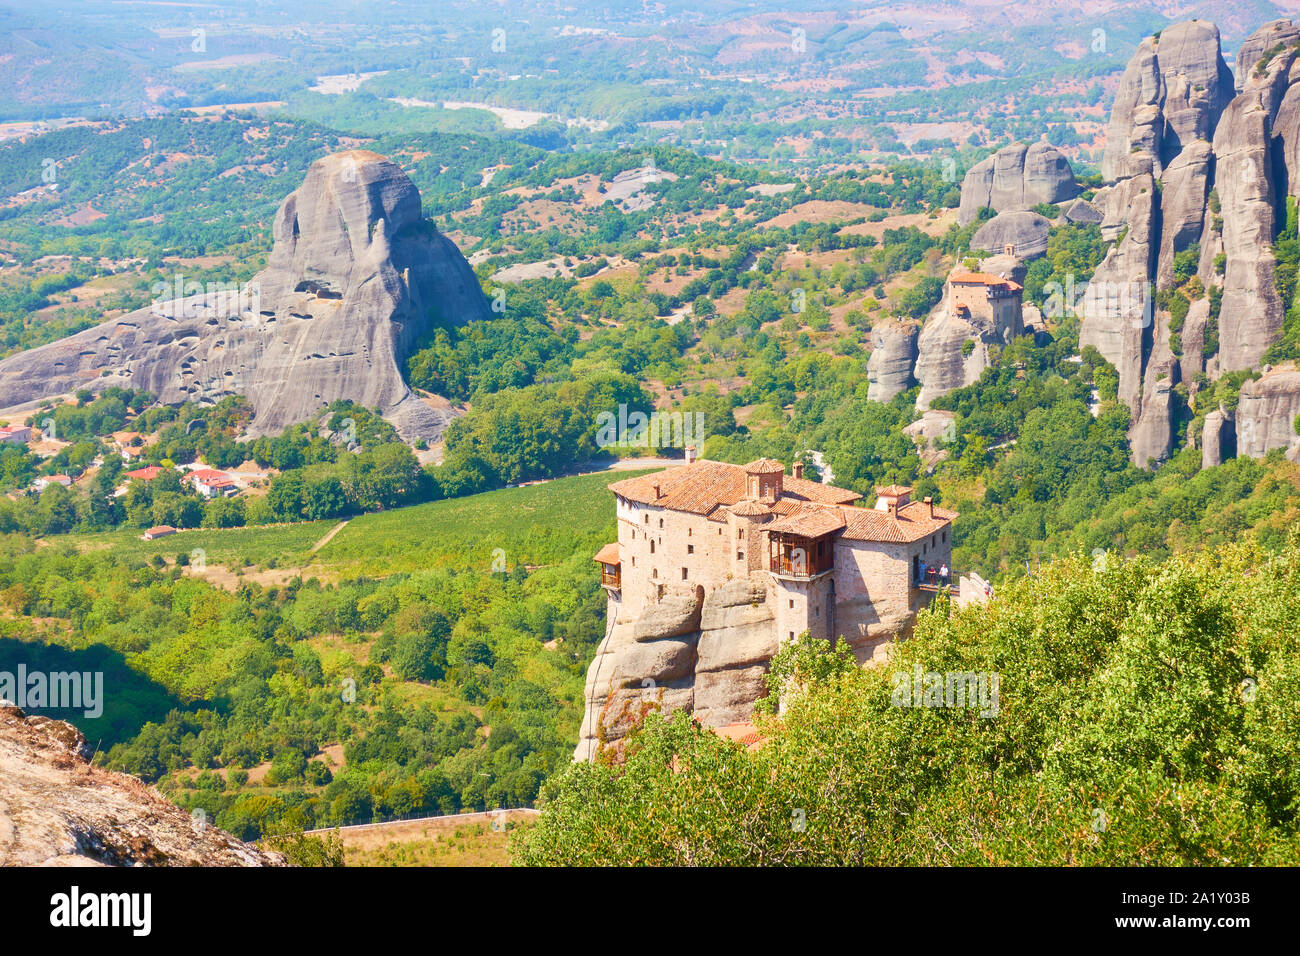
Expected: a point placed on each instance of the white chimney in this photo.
(690, 454)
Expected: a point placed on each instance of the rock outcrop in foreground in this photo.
(58, 810)
(355, 278)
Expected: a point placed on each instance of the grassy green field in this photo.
(533, 525)
(288, 545)
(538, 524)
(470, 845)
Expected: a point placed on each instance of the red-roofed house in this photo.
(145, 474)
(15, 434)
(44, 481)
(211, 484)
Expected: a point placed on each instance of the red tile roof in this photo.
(701, 487)
(810, 521)
(984, 278)
(707, 487)
(764, 466)
(145, 474)
(208, 475)
(745, 734)
(607, 554)
(911, 523)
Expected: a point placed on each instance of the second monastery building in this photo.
(832, 566)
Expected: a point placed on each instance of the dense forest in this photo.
(1144, 716)
(451, 684)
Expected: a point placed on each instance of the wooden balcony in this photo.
(611, 574)
(797, 557)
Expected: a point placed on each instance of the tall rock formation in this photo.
(1252, 187)
(893, 354)
(1217, 438)
(1198, 167)
(1024, 232)
(1195, 160)
(356, 276)
(1016, 177)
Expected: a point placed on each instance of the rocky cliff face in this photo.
(1194, 158)
(1266, 413)
(1024, 232)
(944, 360)
(355, 277)
(893, 353)
(1016, 177)
(705, 654)
(708, 655)
(58, 810)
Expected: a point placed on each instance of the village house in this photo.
(830, 566)
(212, 484)
(15, 434)
(160, 531)
(129, 445)
(44, 481)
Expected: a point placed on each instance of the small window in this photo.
(689, 532)
(661, 522)
(945, 537)
(740, 534)
(740, 555)
(792, 635)
(683, 574)
(634, 560)
(690, 549)
(654, 572)
(652, 546)
(792, 602)
(647, 519)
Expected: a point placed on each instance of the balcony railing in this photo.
(611, 577)
(932, 580)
